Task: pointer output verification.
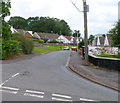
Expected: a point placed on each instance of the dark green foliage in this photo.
(80, 44)
(45, 40)
(76, 33)
(18, 22)
(41, 24)
(9, 48)
(91, 38)
(6, 5)
(27, 46)
(115, 33)
(25, 43)
(6, 32)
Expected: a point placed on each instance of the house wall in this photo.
(63, 39)
(28, 34)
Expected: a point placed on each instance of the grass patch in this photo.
(39, 50)
(109, 56)
(53, 48)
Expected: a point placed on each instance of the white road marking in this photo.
(33, 95)
(59, 95)
(9, 79)
(15, 75)
(13, 92)
(31, 91)
(11, 88)
(84, 99)
(59, 99)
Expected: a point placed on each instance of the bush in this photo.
(80, 44)
(9, 48)
(41, 41)
(25, 43)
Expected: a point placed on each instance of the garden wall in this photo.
(108, 63)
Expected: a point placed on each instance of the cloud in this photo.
(102, 14)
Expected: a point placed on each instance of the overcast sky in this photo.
(101, 16)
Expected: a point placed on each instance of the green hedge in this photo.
(26, 44)
(9, 48)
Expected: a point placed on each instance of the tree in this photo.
(41, 24)
(18, 22)
(91, 38)
(76, 33)
(115, 33)
(6, 32)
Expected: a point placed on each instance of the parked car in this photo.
(65, 48)
(74, 48)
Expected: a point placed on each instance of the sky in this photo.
(102, 14)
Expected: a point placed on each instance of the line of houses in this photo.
(48, 36)
(99, 40)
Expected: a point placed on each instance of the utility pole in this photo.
(85, 10)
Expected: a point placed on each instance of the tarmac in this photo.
(90, 72)
(101, 76)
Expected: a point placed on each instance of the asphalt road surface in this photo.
(46, 78)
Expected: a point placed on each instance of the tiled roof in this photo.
(48, 36)
(68, 37)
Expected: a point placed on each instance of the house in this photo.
(23, 32)
(65, 39)
(36, 35)
(28, 34)
(49, 36)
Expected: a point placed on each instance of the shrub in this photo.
(80, 44)
(41, 41)
(25, 43)
(9, 48)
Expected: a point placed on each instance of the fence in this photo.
(109, 63)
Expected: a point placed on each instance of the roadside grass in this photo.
(109, 56)
(48, 48)
(53, 48)
(40, 50)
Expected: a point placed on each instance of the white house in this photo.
(36, 35)
(65, 39)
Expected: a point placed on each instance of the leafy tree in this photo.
(41, 24)
(76, 33)
(6, 32)
(115, 33)
(91, 38)
(18, 22)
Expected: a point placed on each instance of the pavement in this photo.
(95, 74)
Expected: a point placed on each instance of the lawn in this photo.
(48, 48)
(40, 50)
(53, 48)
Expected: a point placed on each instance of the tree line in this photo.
(41, 24)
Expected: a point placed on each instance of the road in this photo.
(46, 78)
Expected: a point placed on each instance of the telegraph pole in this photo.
(85, 10)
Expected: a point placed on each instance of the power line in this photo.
(75, 5)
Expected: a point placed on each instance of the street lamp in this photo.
(85, 10)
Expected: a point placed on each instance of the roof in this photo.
(48, 36)
(21, 31)
(68, 37)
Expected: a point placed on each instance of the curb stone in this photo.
(88, 78)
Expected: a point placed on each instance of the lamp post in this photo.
(85, 10)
